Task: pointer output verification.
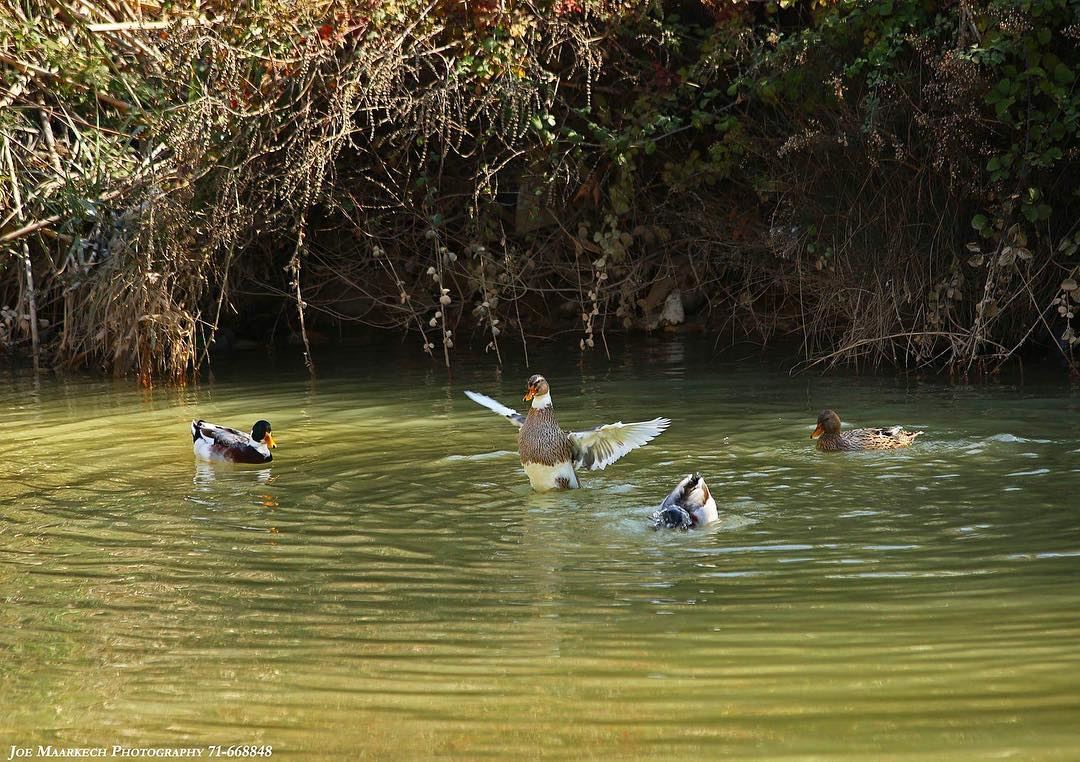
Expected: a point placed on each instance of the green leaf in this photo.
(979, 222)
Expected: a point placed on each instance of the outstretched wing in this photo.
(602, 446)
(509, 414)
(220, 435)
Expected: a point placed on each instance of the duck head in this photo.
(260, 432)
(827, 423)
(537, 391)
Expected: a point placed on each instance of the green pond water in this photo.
(390, 588)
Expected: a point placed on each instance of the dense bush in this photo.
(889, 181)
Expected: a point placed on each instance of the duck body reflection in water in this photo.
(206, 474)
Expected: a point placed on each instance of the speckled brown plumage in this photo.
(832, 439)
(542, 440)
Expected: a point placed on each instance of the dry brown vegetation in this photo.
(490, 172)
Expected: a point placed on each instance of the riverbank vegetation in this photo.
(891, 182)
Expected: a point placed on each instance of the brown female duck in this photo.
(831, 439)
(550, 455)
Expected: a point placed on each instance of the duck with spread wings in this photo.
(550, 455)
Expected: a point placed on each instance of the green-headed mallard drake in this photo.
(550, 455)
(213, 442)
(690, 505)
(831, 439)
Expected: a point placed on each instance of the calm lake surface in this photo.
(390, 588)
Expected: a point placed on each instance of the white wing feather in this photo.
(599, 448)
(496, 407)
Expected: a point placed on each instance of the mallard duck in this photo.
(550, 455)
(213, 442)
(833, 440)
(689, 505)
